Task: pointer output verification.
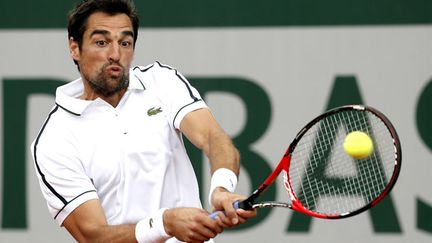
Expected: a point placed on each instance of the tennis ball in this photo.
(358, 145)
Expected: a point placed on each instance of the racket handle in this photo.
(216, 213)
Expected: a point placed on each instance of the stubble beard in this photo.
(107, 85)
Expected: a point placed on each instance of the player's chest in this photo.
(125, 142)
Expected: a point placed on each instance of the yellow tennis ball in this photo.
(358, 145)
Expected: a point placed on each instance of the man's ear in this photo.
(74, 49)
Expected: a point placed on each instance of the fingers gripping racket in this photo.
(321, 179)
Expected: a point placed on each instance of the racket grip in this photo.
(216, 213)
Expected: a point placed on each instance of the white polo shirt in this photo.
(130, 157)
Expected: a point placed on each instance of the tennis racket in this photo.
(321, 179)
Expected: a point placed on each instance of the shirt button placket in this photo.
(122, 125)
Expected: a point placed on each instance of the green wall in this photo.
(229, 13)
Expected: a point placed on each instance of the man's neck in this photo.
(90, 94)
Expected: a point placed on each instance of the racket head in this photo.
(325, 182)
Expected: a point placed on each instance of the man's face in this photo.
(106, 53)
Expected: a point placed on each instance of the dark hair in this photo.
(77, 17)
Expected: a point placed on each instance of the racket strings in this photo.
(327, 180)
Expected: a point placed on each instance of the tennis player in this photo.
(110, 157)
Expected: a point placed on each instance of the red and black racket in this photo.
(321, 179)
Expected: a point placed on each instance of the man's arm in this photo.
(201, 128)
(87, 223)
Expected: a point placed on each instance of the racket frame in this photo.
(284, 164)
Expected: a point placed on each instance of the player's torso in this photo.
(126, 152)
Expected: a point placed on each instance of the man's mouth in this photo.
(114, 69)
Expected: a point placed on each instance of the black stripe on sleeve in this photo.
(72, 201)
(175, 117)
(182, 79)
(60, 197)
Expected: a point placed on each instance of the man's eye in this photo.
(101, 43)
(125, 43)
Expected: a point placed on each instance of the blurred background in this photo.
(265, 68)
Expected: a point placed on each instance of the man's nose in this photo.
(114, 52)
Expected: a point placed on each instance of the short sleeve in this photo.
(62, 178)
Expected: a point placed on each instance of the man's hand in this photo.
(222, 200)
(190, 224)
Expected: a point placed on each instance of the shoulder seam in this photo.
(182, 79)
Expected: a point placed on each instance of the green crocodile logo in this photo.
(154, 111)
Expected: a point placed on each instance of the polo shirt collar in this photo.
(67, 96)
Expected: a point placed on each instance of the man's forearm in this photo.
(222, 153)
(109, 233)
